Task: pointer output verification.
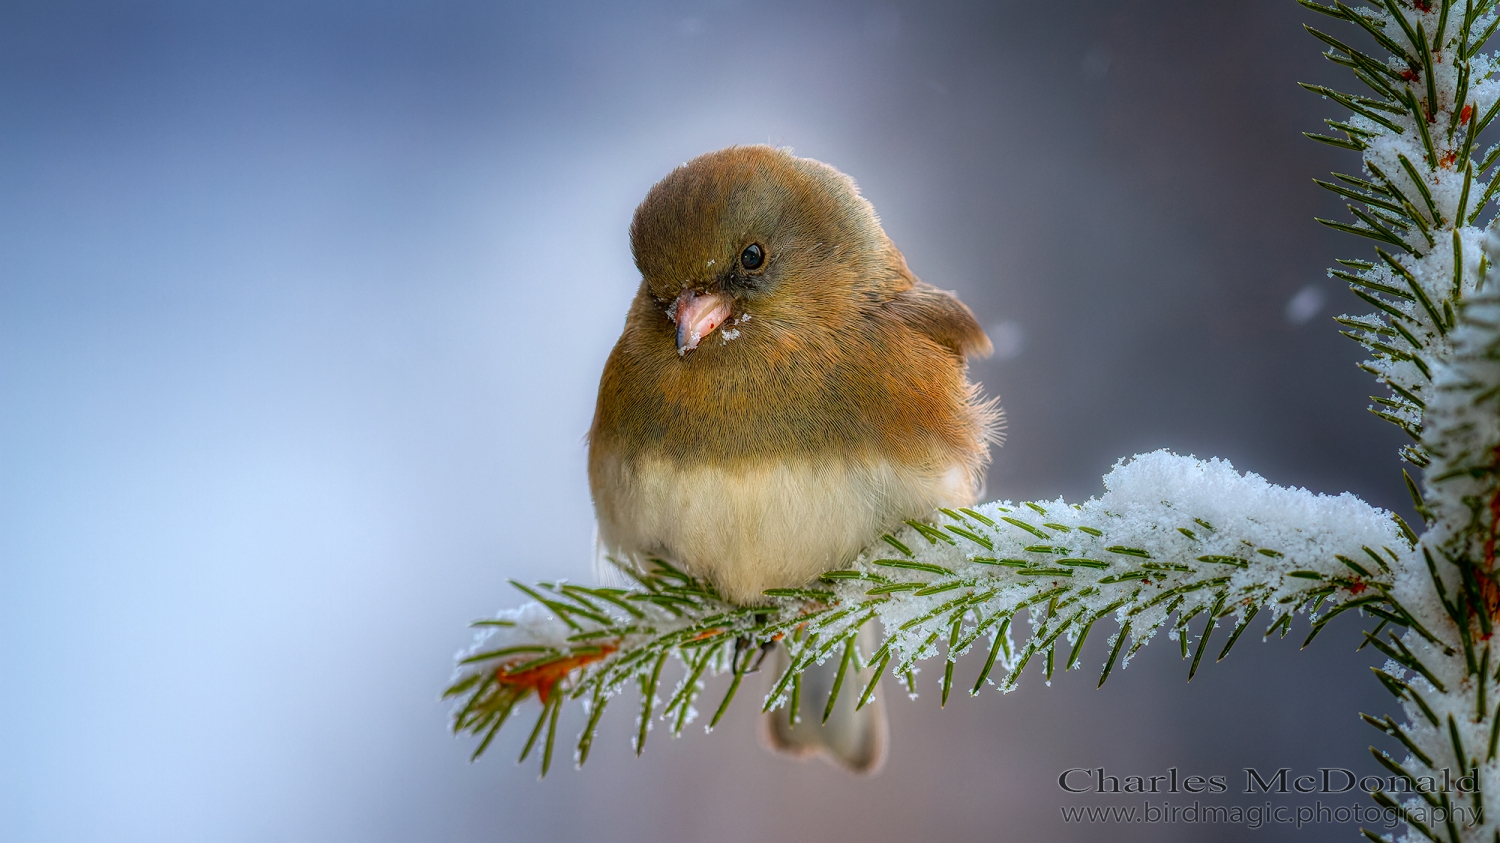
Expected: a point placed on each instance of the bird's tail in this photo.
(856, 740)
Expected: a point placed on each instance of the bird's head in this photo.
(753, 233)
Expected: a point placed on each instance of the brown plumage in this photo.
(785, 389)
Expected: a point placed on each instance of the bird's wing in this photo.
(940, 315)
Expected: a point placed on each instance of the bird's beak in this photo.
(697, 315)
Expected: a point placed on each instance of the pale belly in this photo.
(750, 529)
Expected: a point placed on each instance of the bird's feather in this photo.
(854, 738)
(939, 315)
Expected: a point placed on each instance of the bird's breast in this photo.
(782, 399)
(752, 526)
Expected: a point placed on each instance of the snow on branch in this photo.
(1421, 191)
(1464, 433)
(1435, 340)
(1171, 535)
(1448, 687)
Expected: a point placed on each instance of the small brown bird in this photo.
(785, 390)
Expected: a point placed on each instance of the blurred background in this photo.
(302, 311)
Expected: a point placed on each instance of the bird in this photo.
(784, 391)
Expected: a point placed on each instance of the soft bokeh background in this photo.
(302, 307)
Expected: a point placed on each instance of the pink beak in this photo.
(697, 315)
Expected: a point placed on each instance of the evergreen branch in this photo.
(1373, 285)
(1240, 546)
(1484, 122)
(1411, 35)
(1411, 172)
(1374, 31)
(1489, 193)
(1425, 53)
(1478, 43)
(1368, 63)
(1375, 231)
(1358, 196)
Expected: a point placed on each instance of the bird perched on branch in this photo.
(785, 390)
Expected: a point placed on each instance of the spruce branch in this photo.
(1445, 681)
(1172, 536)
(1435, 339)
(1420, 202)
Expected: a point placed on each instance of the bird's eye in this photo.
(752, 257)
